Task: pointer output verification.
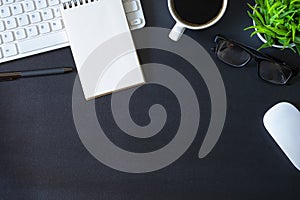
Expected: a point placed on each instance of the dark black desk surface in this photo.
(41, 155)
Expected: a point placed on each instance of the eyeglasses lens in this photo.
(274, 72)
(232, 54)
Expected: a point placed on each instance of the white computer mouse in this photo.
(283, 123)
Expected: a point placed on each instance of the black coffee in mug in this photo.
(197, 12)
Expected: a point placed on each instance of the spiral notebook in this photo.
(102, 46)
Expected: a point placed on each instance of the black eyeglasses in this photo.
(238, 55)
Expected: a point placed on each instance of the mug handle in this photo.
(176, 32)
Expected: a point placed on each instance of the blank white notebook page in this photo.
(102, 47)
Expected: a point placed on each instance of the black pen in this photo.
(10, 76)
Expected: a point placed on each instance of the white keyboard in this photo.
(29, 27)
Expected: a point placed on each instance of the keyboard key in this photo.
(17, 9)
(56, 25)
(135, 22)
(2, 27)
(29, 6)
(0, 40)
(7, 1)
(23, 20)
(10, 50)
(44, 28)
(53, 2)
(57, 12)
(5, 12)
(20, 34)
(32, 31)
(10, 23)
(37, 43)
(7, 37)
(41, 4)
(1, 56)
(130, 6)
(35, 17)
(47, 14)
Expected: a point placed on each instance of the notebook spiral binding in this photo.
(75, 3)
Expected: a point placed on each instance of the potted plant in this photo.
(277, 23)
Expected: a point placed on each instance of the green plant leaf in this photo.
(267, 5)
(286, 43)
(254, 33)
(265, 45)
(251, 27)
(297, 40)
(294, 1)
(278, 31)
(257, 14)
(257, 21)
(272, 8)
(294, 27)
(298, 48)
(259, 2)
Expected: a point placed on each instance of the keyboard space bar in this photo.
(42, 42)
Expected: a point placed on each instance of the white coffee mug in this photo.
(180, 25)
